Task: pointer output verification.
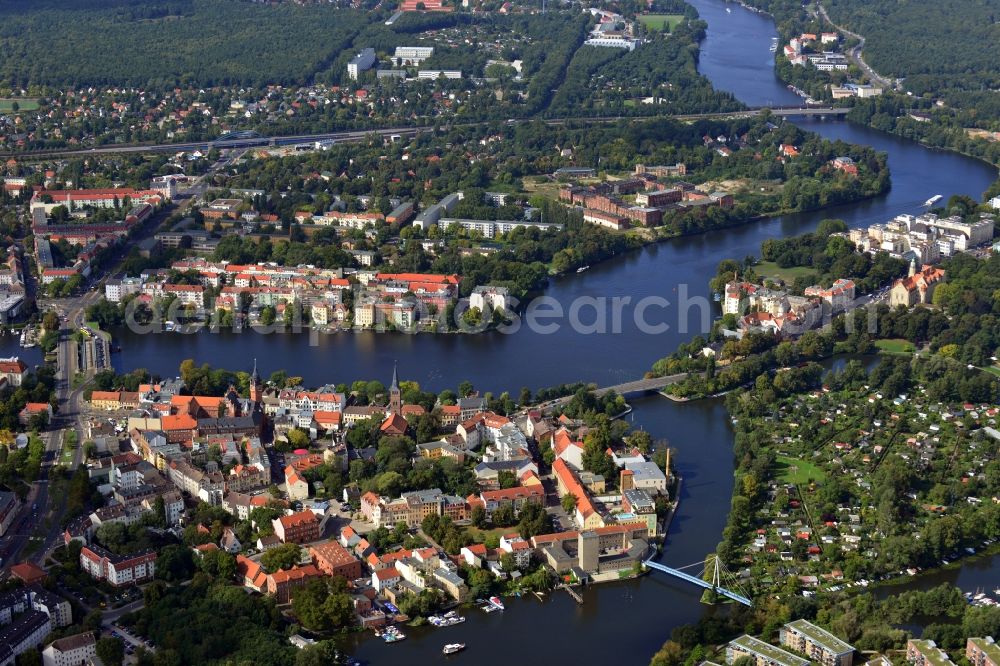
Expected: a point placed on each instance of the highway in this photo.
(361, 135)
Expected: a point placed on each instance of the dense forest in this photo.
(947, 43)
(162, 44)
(942, 51)
(663, 72)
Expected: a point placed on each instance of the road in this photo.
(855, 54)
(70, 412)
(363, 135)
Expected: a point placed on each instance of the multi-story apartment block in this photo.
(361, 63)
(515, 497)
(118, 570)
(412, 56)
(982, 651)
(821, 646)
(334, 560)
(926, 653)
(763, 654)
(71, 650)
(300, 527)
(411, 508)
(8, 510)
(116, 289)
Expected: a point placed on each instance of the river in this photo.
(625, 622)
(735, 57)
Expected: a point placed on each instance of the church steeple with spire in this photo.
(395, 400)
(256, 390)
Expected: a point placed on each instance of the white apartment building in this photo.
(489, 297)
(71, 650)
(361, 63)
(115, 290)
(412, 55)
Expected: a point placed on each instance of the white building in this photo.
(613, 42)
(412, 56)
(71, 650)
(361, 63)
(116, 290)
(648, 476)
(489, 297)
(430, 74)
(493, 228)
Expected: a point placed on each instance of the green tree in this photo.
(111, 651)
(323, 606)
(285, 556)
(298, 439)
(267, 315)
(478, 516)
(568, 502)
(503, 515)
(219, 564)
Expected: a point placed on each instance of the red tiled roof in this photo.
(572, 484)
(295, 573)
(13, 366)
(28, 572)
(395, 423)
(387, 574)
(300, 518)
(515, 493)
(170, 422)
(331, 551)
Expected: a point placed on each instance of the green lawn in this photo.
(479, 535)
(7, 105)
(896, 346)
(993, 369)
(769, 269)
(68, 447)
(658, 21)
(794, 470)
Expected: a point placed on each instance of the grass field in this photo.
(793, 470)
(7, 105)
(895, 346)
(479, 535)
(773, 270)
(68, 447)
(658, 21)
(993, 370)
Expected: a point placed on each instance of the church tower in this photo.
(256, 390)
(913, 267)
(395, 400)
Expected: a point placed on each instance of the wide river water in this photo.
(621, 623)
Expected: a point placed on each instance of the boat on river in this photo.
(496, 603)
(582, 269)
(452, 648)
(933, 200)
(393, 635)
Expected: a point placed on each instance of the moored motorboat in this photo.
(452, 648)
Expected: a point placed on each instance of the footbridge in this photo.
(718, 573)
(642, 385)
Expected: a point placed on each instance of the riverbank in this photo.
(881, 113)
